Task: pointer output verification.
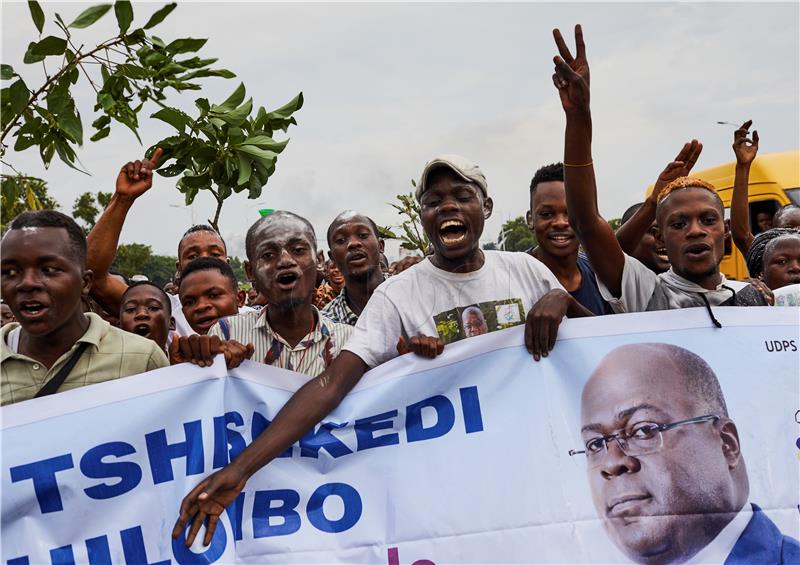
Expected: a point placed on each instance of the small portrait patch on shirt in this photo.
(478, 319)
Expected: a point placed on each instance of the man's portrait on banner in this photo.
(665, 463)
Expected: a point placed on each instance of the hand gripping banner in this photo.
(650, 437)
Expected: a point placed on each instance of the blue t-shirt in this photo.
(588, 294)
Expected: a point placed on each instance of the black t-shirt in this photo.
(588, 294)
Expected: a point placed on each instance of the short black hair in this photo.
(210, 264)
(53, 219)
(758, 249)
(201, 227)
(134, 284)
(249, 240)
(781, 211)
(548, 173)
(337, 221)
(630, 212)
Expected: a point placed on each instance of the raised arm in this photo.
(631, 232)
(571, 78)
(745, 150)
(307, 407)
(134, 179)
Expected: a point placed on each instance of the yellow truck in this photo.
(774, 182)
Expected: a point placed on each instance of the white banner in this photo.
(461, 459)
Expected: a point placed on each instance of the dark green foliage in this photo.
(224, 150)
(516, 236)
(126, 72)
(21, 193)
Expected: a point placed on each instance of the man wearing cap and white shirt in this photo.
(413, 305)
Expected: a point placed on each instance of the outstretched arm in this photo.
(310, 404)
(572, 81)
(745, 149)
(631, 232)
(134, 179)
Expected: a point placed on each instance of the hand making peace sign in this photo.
(571, 76)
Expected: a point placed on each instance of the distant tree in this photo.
(413, 236)
(159, 269)
(490, 246)
(21, 193)
(238, 269)
(516, 236)
(615, 223)
(87, 206)
(131, 259)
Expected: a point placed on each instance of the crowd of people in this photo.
(69, 321)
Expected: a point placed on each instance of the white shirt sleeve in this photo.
(375, 335)
(638, 285)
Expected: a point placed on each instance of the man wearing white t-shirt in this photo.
(422, 306)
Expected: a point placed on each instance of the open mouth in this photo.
(661, 253)
(206, 322)
(452, 232)
(286, 281)
(698, 251)
(32, 309)
(356, 258)
(142, 330)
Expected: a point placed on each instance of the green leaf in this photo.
(264, 142)
(90, 15)
(101, 134)
(173, 117)
(237, 116)
(245, 170)
(29, 57)
(7, 72)
(18, 95)
(70, 123)
(124, 12)
(50, 45)
(159, 16)
(101, 122)
(202, 104)
(224, 73)
(267, 157)
(37, 14)
(234, 99)
(132, 71)
(292, 106)
(186, 45)
(197, 181)
(172, 171)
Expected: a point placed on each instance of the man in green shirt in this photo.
(43, 280)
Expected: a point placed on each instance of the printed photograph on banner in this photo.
(478, 319)
(666, 462)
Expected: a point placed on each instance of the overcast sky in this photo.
(389, 86)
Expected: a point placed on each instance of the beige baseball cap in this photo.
(462, 166)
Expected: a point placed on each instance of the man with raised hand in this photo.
(637, 234)
(134, 179)
(689, 214)
(454, 204)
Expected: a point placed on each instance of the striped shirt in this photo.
(339, 310)
(312, 354)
